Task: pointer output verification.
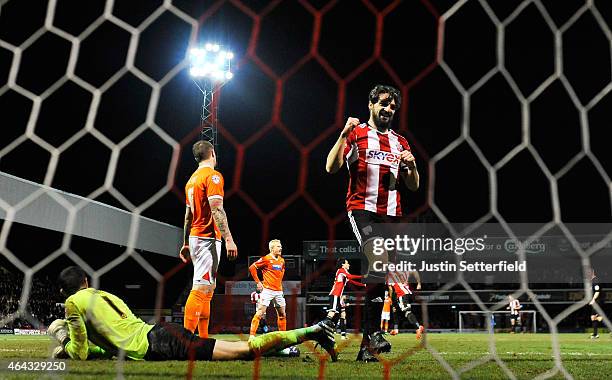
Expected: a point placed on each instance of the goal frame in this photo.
(488, 315)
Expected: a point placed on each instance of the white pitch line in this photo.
(530, 353)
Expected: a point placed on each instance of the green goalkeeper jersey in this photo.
(105, 320)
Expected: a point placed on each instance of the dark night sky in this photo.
(303, 67)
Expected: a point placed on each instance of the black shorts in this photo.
(171, 341)
(362, 221)
(366, 225)
(516, 317)
(594, 311)
(404, 302)
(335, 304)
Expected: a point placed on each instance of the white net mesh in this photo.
(42, 206)
(526, 100)
(68, 211)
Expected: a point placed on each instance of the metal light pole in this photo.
(210, 104)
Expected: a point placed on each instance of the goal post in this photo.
(479, 321)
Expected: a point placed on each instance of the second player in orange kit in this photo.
(205, 225)
(272, 267)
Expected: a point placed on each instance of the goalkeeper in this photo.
(95, 316)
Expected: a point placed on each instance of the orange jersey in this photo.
(204, 183)
(387, 305)
(272, 269)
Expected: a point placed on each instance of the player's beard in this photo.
(383, 123)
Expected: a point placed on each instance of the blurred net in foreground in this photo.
(467, 82)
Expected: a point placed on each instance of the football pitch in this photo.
(525, 355)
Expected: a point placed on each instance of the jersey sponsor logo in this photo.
(277, 267)
(216, 179)
(379, 157)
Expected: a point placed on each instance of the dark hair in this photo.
(340, 262)
(71, 279)
(383, 89)
(202, 150)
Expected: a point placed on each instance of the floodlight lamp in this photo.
(212, 62)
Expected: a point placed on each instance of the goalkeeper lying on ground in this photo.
(95, 316)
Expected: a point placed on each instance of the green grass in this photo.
(525, 355)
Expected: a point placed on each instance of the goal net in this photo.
(495, 321)
(98, 115)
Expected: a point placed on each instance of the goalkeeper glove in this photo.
(60, 353)
(59, 331)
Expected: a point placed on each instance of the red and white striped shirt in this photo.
(515, 306)
(373, 160)
(255, 296)
(342, 277)
(399, 282)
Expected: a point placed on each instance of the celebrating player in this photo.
(205, 224)
(100, 324)
(597, 297)
(335, 295)
(399, 288)
(272, 267)
(515, 317)
(385, 316)
(376, 158)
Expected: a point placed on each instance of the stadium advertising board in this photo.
(245, 288)
(322, 249)
(29, 332)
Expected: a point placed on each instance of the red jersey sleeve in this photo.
(214, 185)
(356, 283)
(350, 140)
(405, 146)
(353, 276)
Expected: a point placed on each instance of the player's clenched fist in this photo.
(351, 123)
(408, 159)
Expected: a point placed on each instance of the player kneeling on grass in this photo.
(101, 324)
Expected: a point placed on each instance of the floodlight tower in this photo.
(210, 70)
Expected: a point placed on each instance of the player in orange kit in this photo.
(205, 225)
(385, 316)
(272, 267)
